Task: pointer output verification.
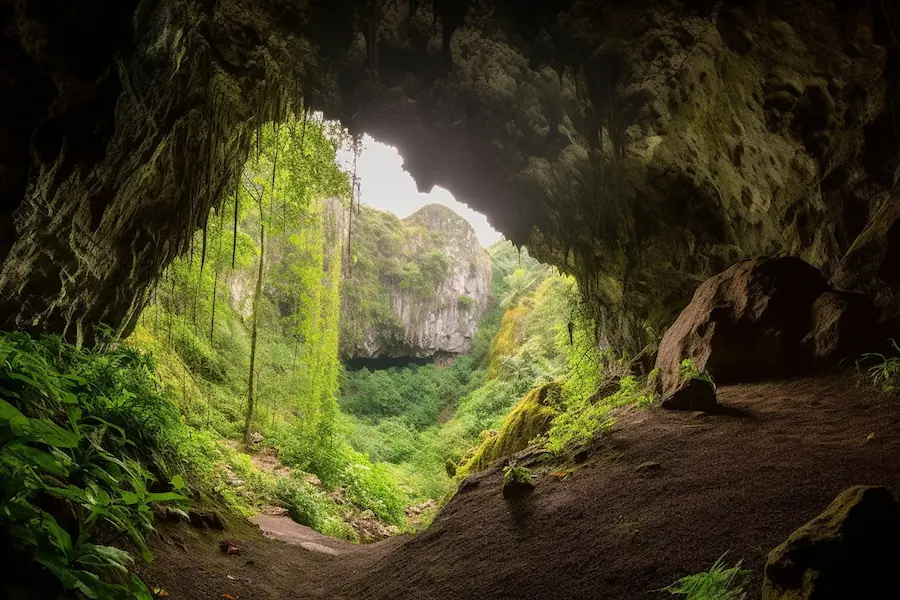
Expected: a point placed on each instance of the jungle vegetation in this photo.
(230, 392)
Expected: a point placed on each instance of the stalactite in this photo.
(237, 194)
(212, 325)
(275, 132)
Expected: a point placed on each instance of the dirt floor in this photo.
(739, 483)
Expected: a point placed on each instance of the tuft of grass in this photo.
(719, 583)
(886, 372)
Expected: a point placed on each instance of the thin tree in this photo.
(257, 294)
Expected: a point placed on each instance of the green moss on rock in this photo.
(530, 418)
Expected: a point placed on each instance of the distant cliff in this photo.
(415, 287)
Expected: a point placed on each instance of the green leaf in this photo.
(178, 483)
(129, 497)
(139, 589)
(12, 415)
(166, 497)
(52, 434)
(103, 557)
(59, 537)
(70, 580)
(38, 458)
(71, 493)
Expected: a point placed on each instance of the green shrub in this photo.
(310, 506)
(886, 372)
(55, 442)
(584, 418)
(465, 302)
(517, 474)
(688, 370)
(719, 583)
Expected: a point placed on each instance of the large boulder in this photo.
(693, 394)
(745, 324)
(843, 326)
(852, 550)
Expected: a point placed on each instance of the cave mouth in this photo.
(385, 183)
(381, 363)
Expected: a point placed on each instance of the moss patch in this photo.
(530, 418)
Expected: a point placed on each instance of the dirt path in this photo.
(609, 530)
(285, 529)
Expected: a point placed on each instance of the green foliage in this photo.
(310, 506)
(719, 583)
(584, 417)
(465, 302)
(688, 370)
(529, 419)
(74, 428)
(414, 394)
(517, 474)
(290, 188)
(885, 373)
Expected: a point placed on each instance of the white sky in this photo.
(386, 186)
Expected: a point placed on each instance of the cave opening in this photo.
(381, 363)
(126, 208)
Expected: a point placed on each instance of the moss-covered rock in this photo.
(851, 550)
(530, 418)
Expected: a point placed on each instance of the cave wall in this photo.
(641, 146)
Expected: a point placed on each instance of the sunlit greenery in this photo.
(719, 583)
(230, 391)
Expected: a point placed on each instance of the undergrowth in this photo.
(885, 373)
(719, 583)
(688, 370)
(85, 459)
(584, 417)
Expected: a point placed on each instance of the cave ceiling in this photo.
(640, 146)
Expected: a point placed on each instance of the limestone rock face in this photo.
(418, 287)
(851, 550)
(641, 147)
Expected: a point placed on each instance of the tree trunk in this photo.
(257, 293)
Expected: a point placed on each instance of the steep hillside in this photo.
(415, 287)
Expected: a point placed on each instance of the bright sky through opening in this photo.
(386, 186)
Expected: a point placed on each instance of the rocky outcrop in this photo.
(843, 326)
(851, 550)
(640, 146)
(765, 319)
(693, 394)
(417, 288)
(745, 323)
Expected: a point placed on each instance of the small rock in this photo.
(229, 547)
(311, 479)
(517, 489)
(693, 394)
